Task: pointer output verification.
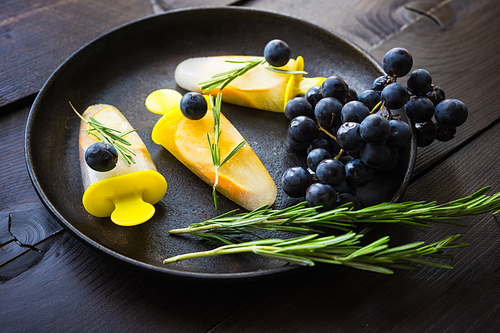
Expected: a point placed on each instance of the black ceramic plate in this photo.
(121, 68)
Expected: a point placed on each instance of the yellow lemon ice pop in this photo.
(243, 179)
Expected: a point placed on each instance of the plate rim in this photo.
(286, 268)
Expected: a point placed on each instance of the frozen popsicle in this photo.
(126, 193)
(258, 88)
(243, 179)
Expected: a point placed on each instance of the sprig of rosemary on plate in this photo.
(214, 146)
(302, 219)
(110, 135)
(224, 78)
(340, 250)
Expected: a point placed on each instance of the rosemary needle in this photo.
(214, 146)
(302, 219)
(340, 250)
(109, 135)
(223, 79)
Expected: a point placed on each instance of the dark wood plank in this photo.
(30, 222)
(37, 36)
(26, 229)
(16, 192)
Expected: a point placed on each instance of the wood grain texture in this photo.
(37, 36)
(363, 22)
(16, 192)
(30, 222)
(68, 287)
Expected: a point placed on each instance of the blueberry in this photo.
(420, 109)
(324, 143)
(313, 95)
(436, 95)
(303, 129)
(336, 87)
(451, 113)
(296, 145)
(391, 162)
(357, 174)
(400, 135)
(374, 128)
(277, 53)
(375, 155)
(345, 188)
(319, 194)
(352, 96)
(354, 111)
(394, 96)
(331, 171)
(101, 156)
(295, 181)
(193, 105)
(445, 133)
(426, 133)
(298, 106)
(327, 112)
(347, 198)
(315, 156)
(379, 83)
(370, 98)
(349, 138)
(419, 82)
(397, 62)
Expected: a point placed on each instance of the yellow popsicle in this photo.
(243, 179)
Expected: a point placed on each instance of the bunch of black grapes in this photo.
(346, 136)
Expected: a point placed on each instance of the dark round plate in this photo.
(121, 68)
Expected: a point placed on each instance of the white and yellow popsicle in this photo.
(125, 193)
(258, 88)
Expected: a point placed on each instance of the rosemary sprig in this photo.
(340, 250)
(110, 135)
(302, 219)
(224, 78)
(214, 146)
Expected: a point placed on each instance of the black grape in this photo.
(397, 62)
(451, 113)
(420, 109)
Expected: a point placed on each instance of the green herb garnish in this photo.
(340, 250)
(110, 135)
(214, 146)
(224, 78)
(302, 219)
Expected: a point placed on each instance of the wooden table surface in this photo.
(51, 282)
